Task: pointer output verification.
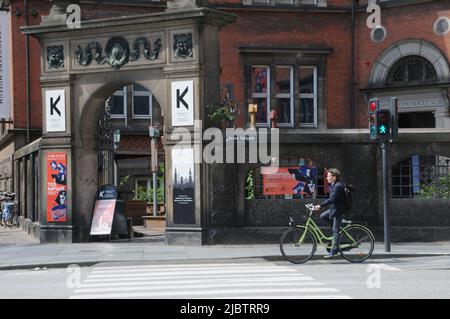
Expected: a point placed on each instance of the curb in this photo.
(268, 258)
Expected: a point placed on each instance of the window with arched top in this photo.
(412, 69)
(422, 176)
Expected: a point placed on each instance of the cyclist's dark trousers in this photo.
(337, 222)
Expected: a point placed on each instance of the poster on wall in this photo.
(105, 205)
(290, 181)
(56, 187)
(183, 103)
(183, 186)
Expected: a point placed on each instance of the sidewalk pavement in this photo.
(29, 254)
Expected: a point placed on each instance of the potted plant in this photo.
(221, 113)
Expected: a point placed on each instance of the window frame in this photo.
(150, 104)
(122, 93)
(313, 96)
(286, 95)
(261, 95)
(148, 180)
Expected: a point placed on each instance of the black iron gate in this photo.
(105, 137)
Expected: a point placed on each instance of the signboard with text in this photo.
(55, 110)
(183, 103)
(56, 164)
(105, 205)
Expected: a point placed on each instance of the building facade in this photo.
(309, 66)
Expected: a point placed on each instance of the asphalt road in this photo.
(417, 277)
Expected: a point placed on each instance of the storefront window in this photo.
(307, 79)
(260, 88)
(284, 95)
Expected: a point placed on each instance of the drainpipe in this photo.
(352, 90)
(27, 72)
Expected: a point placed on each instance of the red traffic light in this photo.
(373, 106)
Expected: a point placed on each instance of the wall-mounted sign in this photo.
(290, 181)
(183, 185)
(55, 110)
(105, 206)
(56, 187)
(5, 95)
(183, 103)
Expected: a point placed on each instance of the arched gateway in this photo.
(167, 53)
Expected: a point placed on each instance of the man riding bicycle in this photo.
(335, 214)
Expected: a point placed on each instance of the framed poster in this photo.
(290, 181)
(183, 185)
(105, 206)
(56, 164)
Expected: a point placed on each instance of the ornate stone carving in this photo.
(182, 45)
(148, 54)
(55, 57)
(92, 51)
(117, 51)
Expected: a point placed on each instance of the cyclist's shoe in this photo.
(331, 254)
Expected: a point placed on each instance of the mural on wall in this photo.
(56, 187)
(183, 185)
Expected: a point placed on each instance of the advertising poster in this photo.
(105, 206)
(56, 187)
(183, 186)
(290, 181)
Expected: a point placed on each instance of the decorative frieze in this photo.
(117, 53)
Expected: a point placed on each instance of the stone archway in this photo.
(81, 68)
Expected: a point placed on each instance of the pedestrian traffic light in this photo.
(374, 106)
(384, 124)
(393, 107)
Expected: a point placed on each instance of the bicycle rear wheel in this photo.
(298, 245)
(356, 243)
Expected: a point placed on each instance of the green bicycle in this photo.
(299, 242)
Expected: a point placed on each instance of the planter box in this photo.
(157, 223)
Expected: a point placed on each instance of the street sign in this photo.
(183, 103)
(55, 110)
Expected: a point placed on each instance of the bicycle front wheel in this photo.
(298, 245)
(356, 243)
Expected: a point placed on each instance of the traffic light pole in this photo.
(386, 213)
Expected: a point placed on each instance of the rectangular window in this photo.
(260, 85)
(284, 95)
(142, 189)
(119, 102)
(142, 102)
(307, 83)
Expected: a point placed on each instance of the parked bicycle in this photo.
(299, 242)
(9, 214)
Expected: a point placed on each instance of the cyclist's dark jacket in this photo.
(336, 200)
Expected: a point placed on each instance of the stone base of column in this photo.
(185, 236)
(55, 234)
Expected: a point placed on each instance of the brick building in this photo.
(314, 62)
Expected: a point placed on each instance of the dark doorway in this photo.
(417, 120)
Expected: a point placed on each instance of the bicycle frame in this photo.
(320, 236)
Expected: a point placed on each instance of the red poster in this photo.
(290, 181)
(56, 187)
(103, 217)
